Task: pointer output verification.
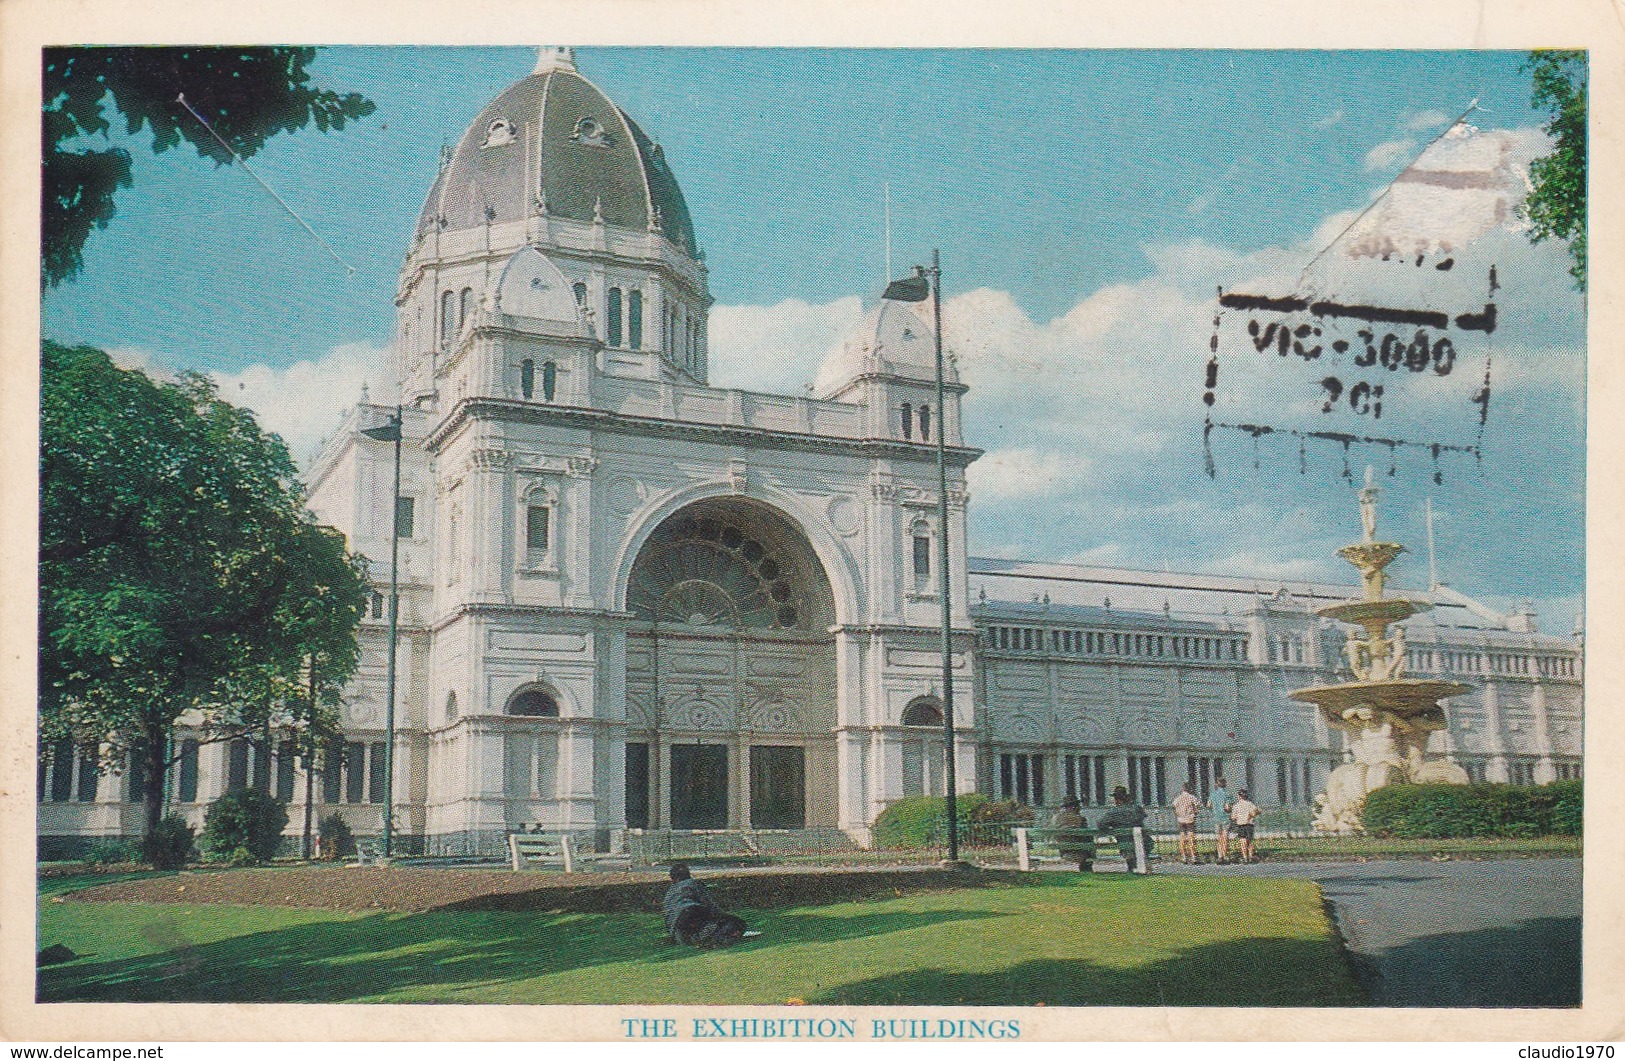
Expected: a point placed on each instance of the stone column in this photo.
(1497, 768)
(1545, 769)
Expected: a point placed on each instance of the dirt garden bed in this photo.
(412, 889)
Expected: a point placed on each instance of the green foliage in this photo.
(179, 570)
(333, 835)
(1436, 811)
(922, 821)
(113, 852)
(1557, 204)
(168, 844)
(248, 821)
(247, 94)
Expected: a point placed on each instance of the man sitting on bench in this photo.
(1074, 844)
(1120, 821)
(693, 917)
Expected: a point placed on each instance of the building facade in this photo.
(629, 599)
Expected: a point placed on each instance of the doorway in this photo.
(778, 793)
(699, 786)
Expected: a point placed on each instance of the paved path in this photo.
(1493, 933)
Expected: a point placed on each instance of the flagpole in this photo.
(944, 581)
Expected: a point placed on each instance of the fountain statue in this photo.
(1388, 717)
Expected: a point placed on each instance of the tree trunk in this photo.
(155, 748)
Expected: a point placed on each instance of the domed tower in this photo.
(557, 224)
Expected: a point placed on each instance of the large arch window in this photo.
(532, 702)
(634, 320)
(726, 566)
(923, 711)
(527, 378)
(550, 378)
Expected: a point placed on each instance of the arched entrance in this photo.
(730, 682)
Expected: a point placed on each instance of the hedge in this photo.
(922, 821)
(1441, 811)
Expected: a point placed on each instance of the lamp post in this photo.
(391, 432)
(928, 283)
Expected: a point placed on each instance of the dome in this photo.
(893, 339)
(554, 140)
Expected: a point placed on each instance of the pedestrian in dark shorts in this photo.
(1185, 807)
(1244, 813)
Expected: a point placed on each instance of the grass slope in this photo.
(1067, 940)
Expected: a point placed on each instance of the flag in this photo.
(916, 288)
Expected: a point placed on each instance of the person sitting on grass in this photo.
(1074, 843)
(693, 918)
(1120, 820)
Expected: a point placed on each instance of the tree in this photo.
(247, 94)
(179, 570)
(1557, 204)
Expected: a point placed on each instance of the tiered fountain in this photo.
(1387, 716)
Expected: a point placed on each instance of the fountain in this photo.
(1387, 716)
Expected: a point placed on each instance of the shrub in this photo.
(334, 838)
(250, 820)
(922, 821)
(113, 852)
(169, 844)
(1440, 811)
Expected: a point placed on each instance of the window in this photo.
(1085, 778)
(136, 776)
(1522, 772)
(448, 312)
(1021, 778)
(186, 787)
(533, 703)
(637, 776)
(404, 512)
(380, 773)
(923, 711)
(634, 320)
(1202, 772)
(88, 776)
(237, 766)
(614, 316)
(451, 706)
(922, 557)
(355, 771)
(333, 773)
(465, 308)
(284, 771)
(537, 520)
(527, 378)
(580, 290)
(550, 373)
(1147, 780)
(925, 423)
(376, 606)
(908, 420)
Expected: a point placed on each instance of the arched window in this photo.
(925, 423)
(922, 555)
(448, 316)
(527, 378)
(581, 293)
(465, 307)
(923, 711)
(634, 320)
(533, 703)
(451, 706)
(908, 420)
(614, 316)
(550, 378)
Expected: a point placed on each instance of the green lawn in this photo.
(1108, 939)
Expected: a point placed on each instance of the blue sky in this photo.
(1085, 203)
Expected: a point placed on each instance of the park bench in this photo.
(546, 849)
(1044, 845)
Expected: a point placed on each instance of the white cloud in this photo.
(1389, 154)
(1426, 121)
(1023, 472)
(1334, 118)
(776, 348)
(304, 401)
